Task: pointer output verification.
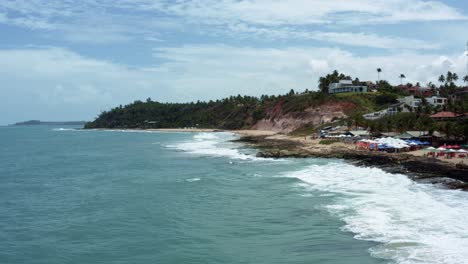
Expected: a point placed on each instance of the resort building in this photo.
(391, 110)
(375, 115)
(346, 86)
(410, 101)
(437, 101)
(416, 90)
(358, 133)
(396, 108)
(413, 103)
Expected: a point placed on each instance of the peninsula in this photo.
(50, 123)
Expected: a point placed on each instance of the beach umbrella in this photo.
(462, 151)
(441, 148)
(430, 148)
(455, 146)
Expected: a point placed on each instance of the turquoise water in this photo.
(71, 196)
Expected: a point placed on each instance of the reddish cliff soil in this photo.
(277, 121)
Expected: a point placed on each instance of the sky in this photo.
(70, 60)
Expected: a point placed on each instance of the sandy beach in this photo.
(309, 144)
(414, 163)
(314, 146)
(182, 129)
(239, 132)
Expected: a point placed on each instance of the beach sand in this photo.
(183, 129)
(422, 153)
(308, 144)
(313, 145)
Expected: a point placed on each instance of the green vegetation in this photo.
(237, 112)
(229, 113)
(334, 77)
(412, 121)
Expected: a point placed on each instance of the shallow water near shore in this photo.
(77, 196)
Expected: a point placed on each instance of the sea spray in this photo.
(415, 223)
(216, 144)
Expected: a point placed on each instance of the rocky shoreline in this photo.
(421, 169)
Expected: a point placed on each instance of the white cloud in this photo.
(343, 38)
(60, 84)
(297, 68)
(303, 12)
(86, 21)
(91, 21)
(56, 83)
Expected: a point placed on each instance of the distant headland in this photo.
(49, 123)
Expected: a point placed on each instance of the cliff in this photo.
(278, 121)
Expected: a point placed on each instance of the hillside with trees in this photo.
(244, 112)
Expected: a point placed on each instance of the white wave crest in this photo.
(416, 223)
(64, 129)
(202, 136)
(214, 144)
(192, 179)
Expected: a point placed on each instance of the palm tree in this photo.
(454, 77)
(378, 74)
(430, 85)
(465, 79)
(449, 77)
(402, 76)
(441, 78)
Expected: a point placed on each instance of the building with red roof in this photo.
(417, 90)
(447, 115)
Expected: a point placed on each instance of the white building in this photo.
(406, 104)
(437, 101)
(410, 101)
(415, 102)
(391, 110)
(346, 86)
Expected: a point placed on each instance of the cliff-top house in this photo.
(346, 86)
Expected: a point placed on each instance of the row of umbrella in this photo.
(451, 147)
(415, 142)
(388, 143)
(443, 149)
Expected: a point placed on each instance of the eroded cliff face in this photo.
(276, 120)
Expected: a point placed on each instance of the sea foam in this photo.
(214, 144)
(64, 129)
(415, 223)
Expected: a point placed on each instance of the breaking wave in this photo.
(215, 144)
(415, 223)
(64, 129)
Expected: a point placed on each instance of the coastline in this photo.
(271, 144)
(182, 129)
(413, 164)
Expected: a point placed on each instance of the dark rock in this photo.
(420, 169)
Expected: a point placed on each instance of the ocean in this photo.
(86, 196)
